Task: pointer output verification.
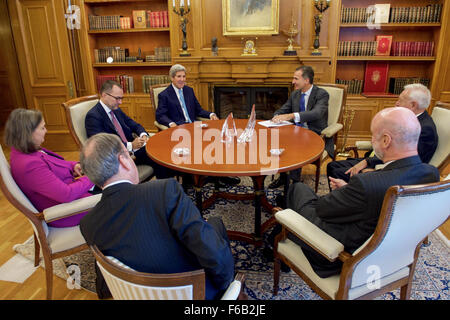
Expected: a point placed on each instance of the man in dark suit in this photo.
(350, 212)
(151, 227)
(106, 116)
(415, 97)
(178, 105)
(307, 107)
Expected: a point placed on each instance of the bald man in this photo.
(349, 213)
(415, 97)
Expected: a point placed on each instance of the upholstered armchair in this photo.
(76, 110)
(336, 105)
(54, 242)
(125, 283)
(384, 262)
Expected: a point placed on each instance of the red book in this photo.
(383, 45)
(375, 78)
(166, 19)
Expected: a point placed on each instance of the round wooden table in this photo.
(208, 156)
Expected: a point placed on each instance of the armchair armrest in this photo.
(160, 126)
(202, 119)
(64, 210)
(235, 287)
(330, 131)
(322, 242)
(363, 145)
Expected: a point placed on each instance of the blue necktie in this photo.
(302, 107)
(302, 102)
(183, 105)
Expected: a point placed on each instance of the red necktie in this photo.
(118, 127)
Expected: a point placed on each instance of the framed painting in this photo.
(250, 17)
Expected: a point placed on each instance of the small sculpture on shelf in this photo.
(214, 48)
(182, 13)
(321, 7)
(291, 33)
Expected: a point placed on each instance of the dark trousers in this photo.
(301, 199)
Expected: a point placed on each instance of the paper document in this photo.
(270, 123)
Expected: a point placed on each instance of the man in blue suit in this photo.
(107, 117)
(177, 104)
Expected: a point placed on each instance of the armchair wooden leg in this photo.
(317, 163)
(37, 251)
(276, 275)
(405, 292)
(49, 276)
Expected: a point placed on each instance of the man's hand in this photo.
(213, 117)
(77, 171)
(357, 168)
(336, 183)
(283, 117)
(138, 142)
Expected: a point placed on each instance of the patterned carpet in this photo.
(431, 279)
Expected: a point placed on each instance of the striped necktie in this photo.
(183, 105)
(118, 127)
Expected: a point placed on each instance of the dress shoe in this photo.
(280, 201)
(277, 183)
(230, 180)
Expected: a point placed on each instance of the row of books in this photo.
(357, 48)
(427, 14)
(150, 80)
(412, 48)
(354, 86)
(118, 54)
(396, 85)
(141, 19)
(162, 54)
(127, 82)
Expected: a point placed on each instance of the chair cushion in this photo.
(441, 118)
(144, 171)
(78, 114)
(61, 239)
(363, 145)
(334, 103)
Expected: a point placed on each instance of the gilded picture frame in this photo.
(250, 17)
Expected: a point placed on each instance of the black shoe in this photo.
(268, 254)
(277, 183)
(230, 180)
(280, 201)
(285, 267)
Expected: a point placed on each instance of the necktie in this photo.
(302, 102)
(183, 105)
(118, 127)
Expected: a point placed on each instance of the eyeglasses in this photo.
(117, 98)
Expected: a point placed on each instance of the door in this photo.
(40, 37)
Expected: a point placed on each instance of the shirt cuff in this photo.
(171, 123)
(212, 114)
(296, 117)
(129, 147)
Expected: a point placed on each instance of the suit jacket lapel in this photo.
(312, 98)
(175, 96)
(106, 119)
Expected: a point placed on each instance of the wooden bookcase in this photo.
(354, 66)
(136, 104)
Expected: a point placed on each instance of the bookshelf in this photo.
(410, 23)
(413, 24)
(140, 49)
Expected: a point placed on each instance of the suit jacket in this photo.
(154, 227)
(316, 114)
(350, 213)
(47, 180)
(169, 107)
(428, 141)
(98, 121)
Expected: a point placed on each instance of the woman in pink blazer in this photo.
(43, 176)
